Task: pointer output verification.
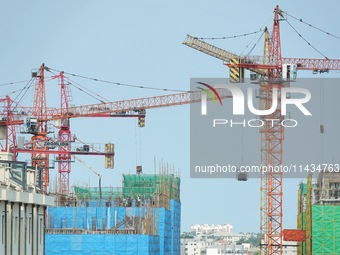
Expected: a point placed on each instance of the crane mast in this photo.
(264, 151)
(39, 129)
(274, 137)
(95, 172)
(64, 137)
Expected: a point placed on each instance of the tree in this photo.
(240, 241)
(187, 236)
(254, 239)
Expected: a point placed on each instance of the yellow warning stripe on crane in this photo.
(236, 74)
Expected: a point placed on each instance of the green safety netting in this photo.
(135, 185)
(326, 229)
(93, 192)
(147, 185)
(303, 187)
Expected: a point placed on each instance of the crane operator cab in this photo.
(31, 124)
(289, 72)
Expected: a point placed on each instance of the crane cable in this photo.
(229, 37)
(22, 92)
(12, 92)
(322, 126)
(251, 50)
(242, 146)
(306, 40)
(94, 93)
(117, 83)
(310, 25)
(263, 28)
(138, 144)
(15, 82)
(82, 88)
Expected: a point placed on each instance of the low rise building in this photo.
(22, 208)
(204, 229)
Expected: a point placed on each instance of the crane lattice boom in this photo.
(313, 63)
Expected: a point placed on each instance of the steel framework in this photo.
(40, 150)
(269, 67)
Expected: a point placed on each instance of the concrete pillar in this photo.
(2, 227)
(15, 228)
(34, 230)
(40, 229)
(29, 229)
(22, 226)
(8, 227)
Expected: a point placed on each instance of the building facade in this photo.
(22, 209)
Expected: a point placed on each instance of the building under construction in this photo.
(141, 217)
(319, 215)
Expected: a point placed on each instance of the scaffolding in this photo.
(319, 215)
(147, 207)
(138, 189)
(134, 220)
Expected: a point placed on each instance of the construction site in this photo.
(143, 215)
(319, 214)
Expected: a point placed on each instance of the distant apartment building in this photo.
(231, 237)
(225, 243)
(210, 228)
(194, 246)
(201, 245)
(191, 247)
(289, 248)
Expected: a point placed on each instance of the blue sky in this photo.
(140, 42)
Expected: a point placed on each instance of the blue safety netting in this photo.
(92, 244)
(165, 241)
(89, 218)
(175, 209)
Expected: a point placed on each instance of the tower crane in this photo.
(273, 70)
(37, 119)
(95, 172)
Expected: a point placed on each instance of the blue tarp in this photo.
(94, 218)
(101, 244)
(89, 218)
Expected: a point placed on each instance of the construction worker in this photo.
(129, 202)
(139, 201)
(124, 202)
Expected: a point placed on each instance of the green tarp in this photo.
(134, 185)
(326, 230)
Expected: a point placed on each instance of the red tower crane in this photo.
(270, 68)
(40, 117)
(64, 137)
(39, 131)
(7, 130)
